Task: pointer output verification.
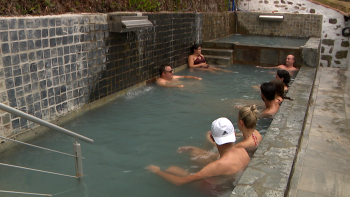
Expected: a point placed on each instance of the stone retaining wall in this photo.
(293, 25)
(334, 47)
(54, 65)
(217, 25)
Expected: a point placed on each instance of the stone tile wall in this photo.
(217, 25)
(52, 65)
(293, 25)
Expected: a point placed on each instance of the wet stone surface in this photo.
(270, 168)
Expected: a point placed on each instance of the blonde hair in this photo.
(249, 116)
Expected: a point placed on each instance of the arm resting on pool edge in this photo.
(268, 67)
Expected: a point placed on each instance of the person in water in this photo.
(268, 92)
(280, 91)
(168, 79)
(284, 76)
(232, 159)
(247, 119)
(289, 66)
(198, 61)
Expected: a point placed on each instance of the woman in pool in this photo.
(284, 76)
(279, 97)
(247, 119)
(197, 60)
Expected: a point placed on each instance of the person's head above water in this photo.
(268, 91)
(196, 49)
(166, 72)
(284, 76)
(279, 87)
(290, 59)
(249, 116)
(222, 131)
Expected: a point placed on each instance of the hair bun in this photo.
(253, 107)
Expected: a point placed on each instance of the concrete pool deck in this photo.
(322, 165)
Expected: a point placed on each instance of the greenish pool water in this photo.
(264, 40)
(144, 127)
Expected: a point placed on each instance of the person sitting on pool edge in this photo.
(167, 78)
(197, 60)
(268, 92)
(289, 64)
(231, 161)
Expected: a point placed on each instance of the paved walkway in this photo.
(323, 163)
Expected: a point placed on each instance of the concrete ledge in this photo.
(310, 52)
(269, 171)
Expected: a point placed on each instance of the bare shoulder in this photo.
(160, 81)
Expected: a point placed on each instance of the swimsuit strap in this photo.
(255, 139)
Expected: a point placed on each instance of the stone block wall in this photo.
(52, 65)
(293, 25)
(217, 25)
(334, 46)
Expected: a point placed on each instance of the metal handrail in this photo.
(44, 123)
(32, 169)
(55, 151)
(25, 193)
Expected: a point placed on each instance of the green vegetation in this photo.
(145, 5)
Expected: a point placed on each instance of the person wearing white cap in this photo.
(231, 161)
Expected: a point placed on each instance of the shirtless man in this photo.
(268, 91)
(231, 161)
(289, 64)
(167, 78)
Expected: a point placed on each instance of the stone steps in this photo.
(218, 45)
(217, 52)
(219, 60)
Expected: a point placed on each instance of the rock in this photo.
(260, 1)
(290, 3)
(303, 8)
(345, 43)
(266, 2)
(296, 7)
(282, 1)
(296, 12)
(322, 49)
(326, 57)
(312, 11)
(328, 42)
(337, 62)
(341, 54)
(332, 20)
(331, 50)
(276, 2)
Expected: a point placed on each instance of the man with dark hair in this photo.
(231, 162)
(168, 79)
(268, 92)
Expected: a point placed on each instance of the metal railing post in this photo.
(78, 159)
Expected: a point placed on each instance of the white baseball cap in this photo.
(223, 131)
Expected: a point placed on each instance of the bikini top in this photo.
(199, 60)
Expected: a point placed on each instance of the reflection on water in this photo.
(145, 127)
